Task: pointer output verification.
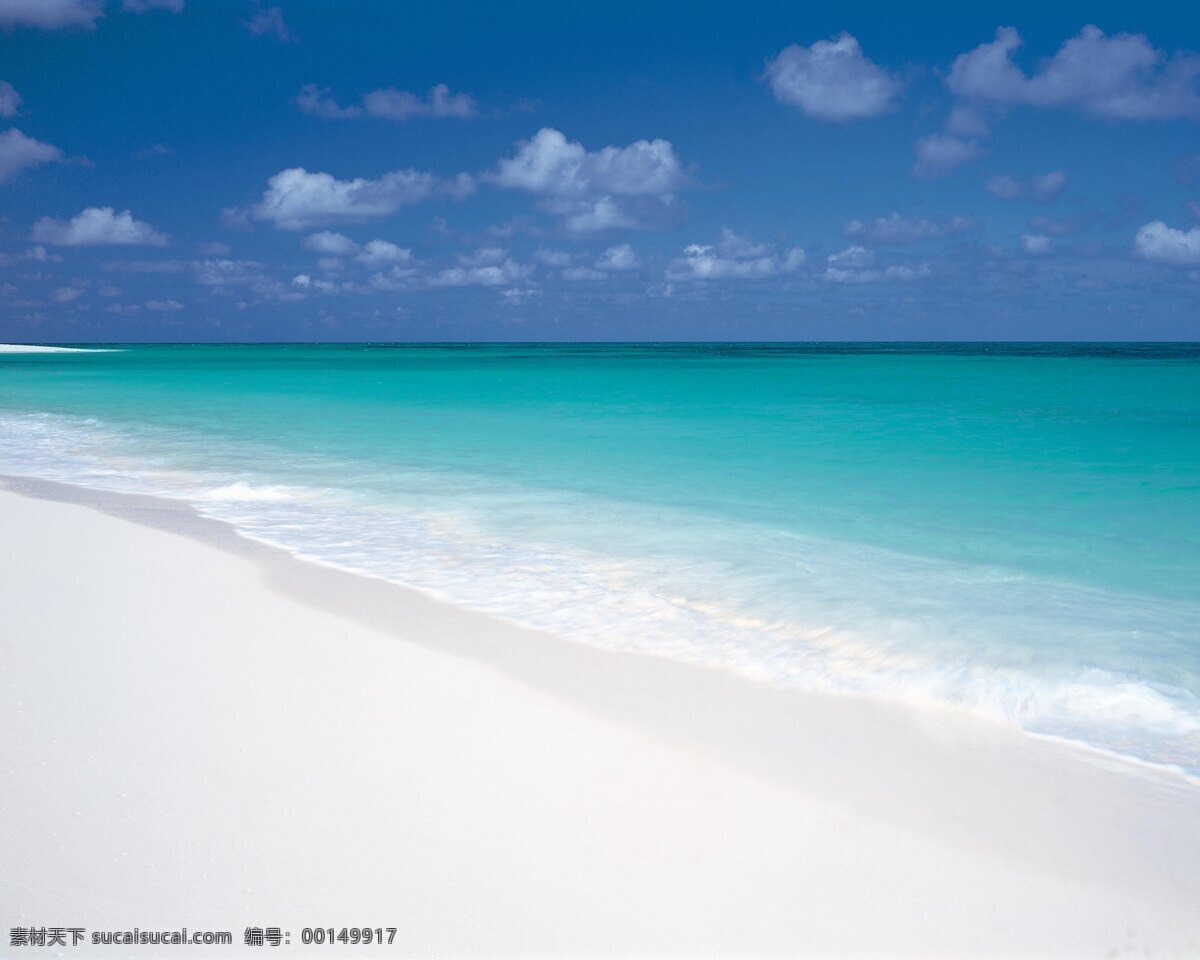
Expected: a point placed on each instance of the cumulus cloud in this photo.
(66, 294)
(270, 21)
(10, 100)
(552, 258)
(593, 216)
(50, 14)
(381, 253)
(939, 155)
(895, 229)
(594, 190)
(734, 258)
(41, 255)
(1050, 184)
(733, 245)
(17, 152)
(857, 264)
(331, 243)
(831, 80)
(1035, 243)
(1159, 243)
(393, 104)
(388, 103)
(98, 226)
(164, 306)
(619, 257)
(1005, 187)
(227, 273)
(515, 296)
(296, 199)
(551, 164)
(1119, 77)
(1042, 186)
(490, 275)
(320, 103)
(144, 6)
(304, 281)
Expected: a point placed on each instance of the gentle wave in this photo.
(1054, 658)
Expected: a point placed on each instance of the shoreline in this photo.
(178, 516)
(954, 807)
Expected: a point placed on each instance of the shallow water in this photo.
(1010, 528)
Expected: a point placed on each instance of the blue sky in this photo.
(211, 170)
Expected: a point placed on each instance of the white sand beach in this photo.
(202, 731)
(33, 348)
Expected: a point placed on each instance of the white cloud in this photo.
(515, 296)
(493, 275)
(329, 242)
(1162, 244)
(307, 282)
(388, 104)
(269, 21)
(592, 216)
(1120, 77)
(320, 103)
(222, 273)
(552, 258)
(297, 200)
(393, 104)
(380, 253)
(164, 306)
(831, 80)
(50, 14)
(1035, 243)
(10, 100)
(40, 255)
(66, 294)
(895, 229)
(939, 155)
(619, 257)
(734, 258)
(614, 187)
(794, 259)
(1004, 186)
(552, 165)
(968, 120)
(236, 218)
(1046, 185)
(733, 245)
(1042, 186)
(853, 256)
(856, 264)
(17, 152)
(144, 6)
(98, 226)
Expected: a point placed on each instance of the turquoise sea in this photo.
(1013, 529)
